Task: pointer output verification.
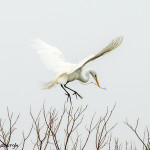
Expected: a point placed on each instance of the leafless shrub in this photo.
(146, 137)
(128, 145)
(25, 138)
(102, 133)
(6, 133)
(72, 120)
(41, 141)
(49, 125)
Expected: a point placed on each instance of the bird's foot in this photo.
(69, 97)
(77, 94)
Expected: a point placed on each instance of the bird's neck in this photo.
(85, 76)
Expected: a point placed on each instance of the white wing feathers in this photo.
(80, 64)
(51, 57)
(114, 44)
(54, 60)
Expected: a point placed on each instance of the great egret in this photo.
(67, 72)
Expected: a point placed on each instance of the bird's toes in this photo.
(67, 94)
(76, 94)
(80, 96)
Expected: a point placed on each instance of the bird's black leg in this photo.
(75, 93)
(69, 97)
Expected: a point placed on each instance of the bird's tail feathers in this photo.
(48, 85)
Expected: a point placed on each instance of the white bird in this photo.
(67, 72)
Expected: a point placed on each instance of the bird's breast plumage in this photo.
(73, 76)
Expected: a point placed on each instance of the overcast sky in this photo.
(78, 28)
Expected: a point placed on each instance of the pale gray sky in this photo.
(78, 28)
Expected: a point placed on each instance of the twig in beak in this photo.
(95, 84)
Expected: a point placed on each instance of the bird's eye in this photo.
(95, 76)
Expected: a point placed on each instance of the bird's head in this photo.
(94, 75)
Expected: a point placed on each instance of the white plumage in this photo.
(54, 60)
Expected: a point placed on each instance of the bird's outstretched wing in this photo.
(114, 44)
(51, 57)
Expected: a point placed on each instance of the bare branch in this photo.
(102, 134)
(71, 124)
(6, 134)
(135, 131)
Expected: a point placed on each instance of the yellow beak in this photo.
(97, 82)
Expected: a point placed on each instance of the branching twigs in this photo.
(118, 146)
(75, 144)
(72, 122)
(52, 124)
(5, 135)
(89, 130)
(41, 142)
(146, 146)
(26, 137)
(102, 133)
(49, 125)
